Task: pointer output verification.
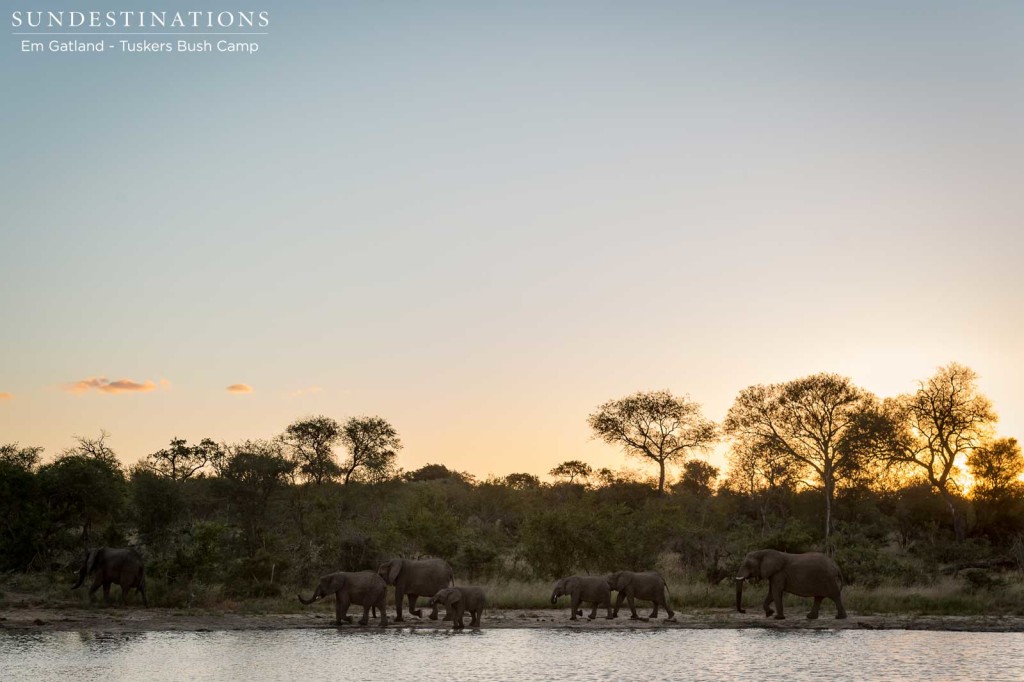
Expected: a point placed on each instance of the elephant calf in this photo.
(364, 588)
(584, 588)
(459, 600)
(811, 574)
(649, 586)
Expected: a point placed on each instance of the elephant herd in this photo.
(805, 575)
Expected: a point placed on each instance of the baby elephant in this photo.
(584, 588)
(362, 588)
(648, 586)
(459, 600)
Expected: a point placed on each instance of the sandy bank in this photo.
(113, 619)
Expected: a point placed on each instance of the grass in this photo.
(950, 596)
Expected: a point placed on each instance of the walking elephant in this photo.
(584, 588)
(362, 588)
(460, 600)
(811, 574)
(110, 565)
(648, 586)
(414, 579)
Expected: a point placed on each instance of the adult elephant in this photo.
(362, 588)
(114, 566)
(584, 588)
(648, 586)
(811, 574)
(414, 579)
(460, 600)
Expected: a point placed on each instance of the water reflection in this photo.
(515, 655)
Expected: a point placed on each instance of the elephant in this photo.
(111, 565)
(649, 586)
(459, 600)
(363, 588)
(415, 579)
(584, 588)
(811, 574)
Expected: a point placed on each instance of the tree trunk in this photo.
(959, 523)
(829, 491)
(661, 478)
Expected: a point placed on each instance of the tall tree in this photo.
(250, 473)
(815, 421)
(656, 425)
(373, 446)
(936, 428)
(312, 441)
(996, 467)
(180, 461)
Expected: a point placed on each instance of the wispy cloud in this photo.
(104, 385)
(304, 391)
(6, 396)
(239, 388)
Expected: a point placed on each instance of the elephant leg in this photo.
(476, 618)
(382, 604)
(768, 611)
(777, 598)
(813, 613)
(412, 605)
(632, 607)
(341, 602)
(457, 618)
(365, 620)
(654, 612)
(574, 605)
(618, 604)
(433, 613)
(398, 606)
(593, 610)
(840, 610)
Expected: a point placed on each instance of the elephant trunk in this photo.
(316, 595)
(739, 595)
(81, 577)
(554, 598)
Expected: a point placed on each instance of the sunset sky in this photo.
(482, 220)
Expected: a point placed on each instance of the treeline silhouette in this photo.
(899, 490)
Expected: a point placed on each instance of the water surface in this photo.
(533, 654)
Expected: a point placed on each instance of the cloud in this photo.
(104, 385)
(239, 388)
(6, 396)
(304, 391)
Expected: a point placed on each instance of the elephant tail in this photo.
(665, 584)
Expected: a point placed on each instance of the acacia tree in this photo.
(571, 470)
(996, 468)
(815, 421)
(936, 428)
(180, 461)
(656, 425)
(312, 441)
(373, 446)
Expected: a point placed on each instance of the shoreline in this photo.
(134, 619)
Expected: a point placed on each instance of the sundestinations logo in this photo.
(141, 31)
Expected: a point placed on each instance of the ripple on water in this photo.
(533, 654)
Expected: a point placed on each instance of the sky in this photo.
(483, 220)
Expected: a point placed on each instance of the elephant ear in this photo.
(334, 583)
(454, 595)
(771, 563)
(396, 568)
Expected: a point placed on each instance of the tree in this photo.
(656, 425)
(250, 473)
(437, 472)
(521, 481)
(698, 478)
(572, 470)
(26, 459)
(815, 421)
(312, 441)
(85, 485)
(372, 445)
(996, 467)
(181, 461)
(936, 429)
